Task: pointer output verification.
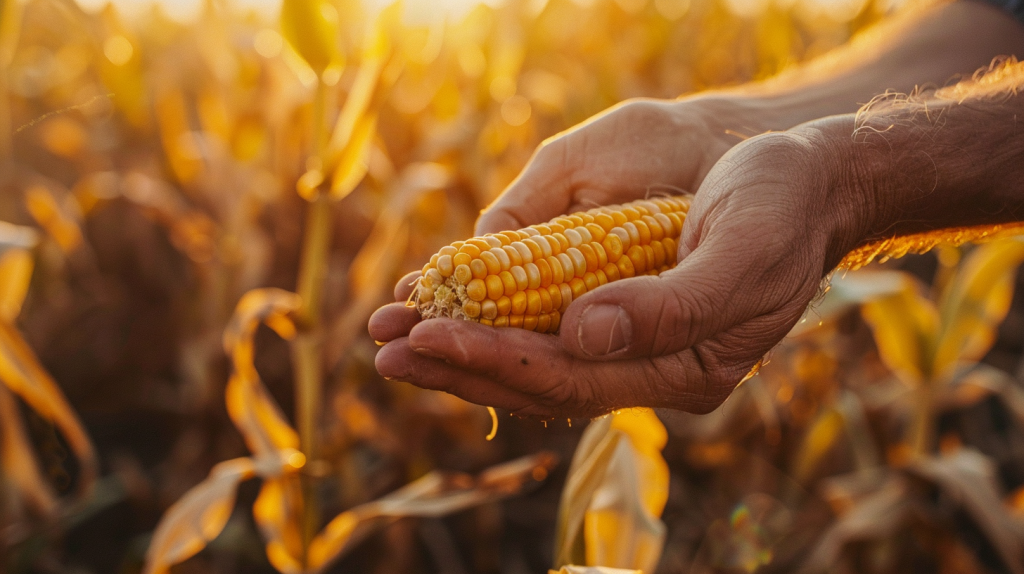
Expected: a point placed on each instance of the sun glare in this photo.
(188, 10)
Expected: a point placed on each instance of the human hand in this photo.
(633, 150)
(769, 221)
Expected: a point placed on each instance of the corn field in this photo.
(197, 219)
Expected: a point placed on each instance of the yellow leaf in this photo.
(58, 220)
(905, 326)
(176, 134)
(818, 441)
(365, 94)
(21, 372)
(622, 526)
(311, 29)
(278, 513)
(352, 164)
(435, 494)
(198, 517)
(975, 302)
(17, 461)
(15, 275)
(250, 406)
(592, 570)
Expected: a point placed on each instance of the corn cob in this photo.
(527, 278)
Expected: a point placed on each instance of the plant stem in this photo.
(923, 426)
(306, 347)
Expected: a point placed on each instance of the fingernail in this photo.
(604, 329)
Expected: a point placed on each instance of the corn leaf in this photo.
(17, 461)
(586, 474)
(250, 405)
(197, 517)
(58, 220)
(969, 478)
(975, 302)
(352, 164)
(592, 570)
(905, 326)
(882, 508)
(22, 373)
(845, 291)
(311, 28)
(435, 494)
(615, 493)
(366, 89)
(15, 268)
(277, 511)
(622, 526)
(817, 442)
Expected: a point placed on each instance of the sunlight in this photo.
(188, 10)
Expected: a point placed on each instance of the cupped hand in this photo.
(771, 218)
(633, 150)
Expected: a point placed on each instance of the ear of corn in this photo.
(528, 277)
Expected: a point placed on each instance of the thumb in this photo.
(652, 316)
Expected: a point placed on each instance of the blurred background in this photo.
(155, 165)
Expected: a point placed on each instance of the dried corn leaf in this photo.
(622, 526)
(278, 513)
(882, 509)
(22, 373)
(615, 493)
(593, 570)
(18, 463)
(896, 247)
(58, 220)
(352, 163)
(905, 326)
(366, 89)
(198, 517)
(975, 302)
(176, 134)
(846, 291)
(311, 29)
(821, 435)
(435, 494)
(251, 407)
(15, 276)
(968, 478)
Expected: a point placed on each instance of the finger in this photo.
(392, 321)
(398, 361)
(530, 362)
(405, 285)
(541, 192)
(559, 385)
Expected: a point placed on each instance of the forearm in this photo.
(928, 46)
(904, 165)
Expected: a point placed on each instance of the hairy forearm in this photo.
(935, 46)
(951, 158)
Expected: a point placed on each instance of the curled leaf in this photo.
(435, 494)
(198, 517)
(17, 460)
(615, 493)
(250, 405)
(21, 372)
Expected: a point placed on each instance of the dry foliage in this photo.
(202, 217)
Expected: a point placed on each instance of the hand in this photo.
(769, 221)
(633, 150)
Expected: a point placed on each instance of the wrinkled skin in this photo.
(681, 340)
